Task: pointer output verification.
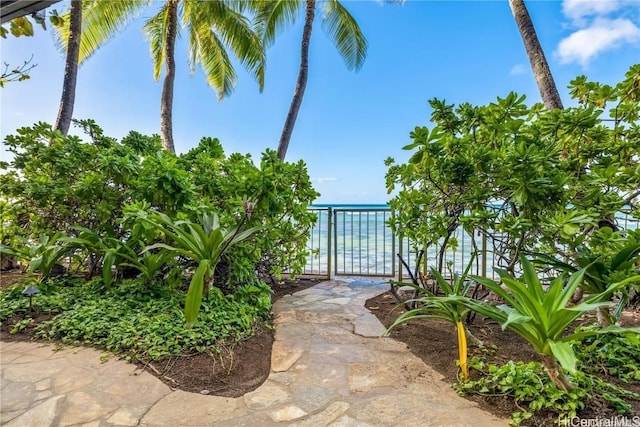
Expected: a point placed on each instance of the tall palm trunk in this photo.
(301, 84)
(166, 103)
(65, 113)
(541, 71)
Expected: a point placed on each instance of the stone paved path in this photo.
(329, 368)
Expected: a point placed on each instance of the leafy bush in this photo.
(526, 178)
(59, 183)
(279, 194)
(56, 182)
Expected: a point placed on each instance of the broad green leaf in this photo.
(564, 354)
(194, 294)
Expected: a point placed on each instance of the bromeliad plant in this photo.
(203, 243)
(542, 316)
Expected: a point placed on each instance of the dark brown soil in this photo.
(435, 342)
(237, 370)
(8, 277)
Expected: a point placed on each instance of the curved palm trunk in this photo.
(541, 71)
(65, 113)
(166, 103)
(301, 84)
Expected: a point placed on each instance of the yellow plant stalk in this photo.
(462, 350)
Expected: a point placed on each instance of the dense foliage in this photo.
(63, 184)
(526, 178)
(534, 392)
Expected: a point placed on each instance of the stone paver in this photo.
(329, 367)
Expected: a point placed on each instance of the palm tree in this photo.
(67, 100)
(213, 27)
(342, 28)
(539, 65)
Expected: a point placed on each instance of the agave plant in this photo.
(204, 243)
(542, 316)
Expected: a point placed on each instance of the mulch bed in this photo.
(435, 342)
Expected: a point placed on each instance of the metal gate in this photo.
(351, 242)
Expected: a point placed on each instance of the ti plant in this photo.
(203, 243)
(542, 316)
(450, 308)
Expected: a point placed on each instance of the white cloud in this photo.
(578, 9)
(518, 69)
(321, 180)
(603, 34)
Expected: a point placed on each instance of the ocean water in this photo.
(356, 241)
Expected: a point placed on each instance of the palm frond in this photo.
(101, 21)
(343, 29)
(272, 16)
(155, 29)
(236, 33)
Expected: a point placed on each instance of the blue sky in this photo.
(349, 122)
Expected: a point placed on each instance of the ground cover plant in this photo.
(139, 321)
(544, 185)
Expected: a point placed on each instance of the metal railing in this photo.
(356, 241)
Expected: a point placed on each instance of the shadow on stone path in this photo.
(329, 367)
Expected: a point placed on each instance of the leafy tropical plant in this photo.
(204, 243)
(543, 316)
(450, 308)
(148, 264)
(602, 268)
(43, 255)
